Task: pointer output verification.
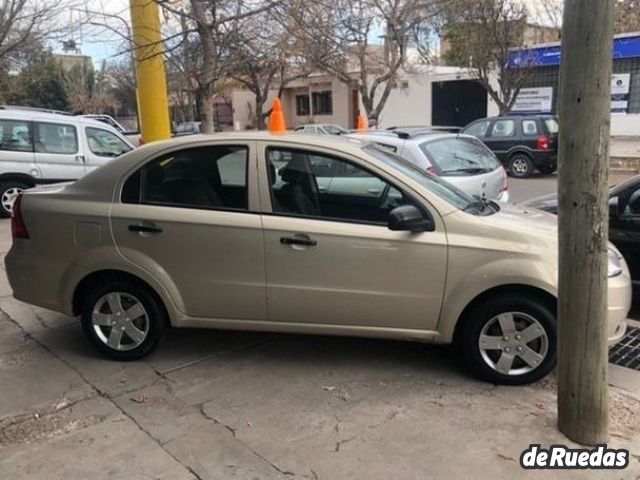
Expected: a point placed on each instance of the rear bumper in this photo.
(544, 158)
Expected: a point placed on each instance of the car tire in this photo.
(123, 320)
(547, 169)
(520, 166)
(8, 193)
(485, 337)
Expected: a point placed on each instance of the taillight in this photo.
(432, 171)
(543, 142)
(18, 228)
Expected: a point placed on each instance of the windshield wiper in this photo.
(467, 170)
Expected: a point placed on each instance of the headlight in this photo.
(615, 263)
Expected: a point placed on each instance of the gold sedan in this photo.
(295, 233)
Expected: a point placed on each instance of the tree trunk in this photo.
(584, 108)
(260, 123)
(205, 101)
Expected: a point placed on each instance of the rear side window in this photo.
(529, 127)
(15, 136)
(504, 128)
(460, 156)
(55, 138)
(104, 143)
(477, 129)
(202, 178)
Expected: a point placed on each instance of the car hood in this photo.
(547, 203)
(513, 229)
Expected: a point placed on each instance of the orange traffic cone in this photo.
(362, 123)
(276, 119)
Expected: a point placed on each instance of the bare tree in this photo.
(482, 35)
(339, 37)
(26, 21)
(627, 16)
(266, 56)
(210, 25)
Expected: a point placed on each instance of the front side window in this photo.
(15, 135)
(632, 208)
(460, 156)
(347, 192)
(478, 129)
(205, 177)
(104, 143)
(504, 128)
(55, 138)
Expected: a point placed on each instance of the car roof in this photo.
(400, 135)
(45, 116)
(516, 117)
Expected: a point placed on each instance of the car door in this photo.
(502, 134)
(58, 152)
(189, 216)
(102, 146)
(624, 228)
(334, 261)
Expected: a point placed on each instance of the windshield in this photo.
(552, 125)
(460, 156)
(439, 187)
(334, 129)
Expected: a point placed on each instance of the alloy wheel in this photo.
(520, 166)
(120, 321)
(513, 343)
(9, 196)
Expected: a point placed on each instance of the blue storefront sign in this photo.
(623, 47)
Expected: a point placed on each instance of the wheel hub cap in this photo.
(120, 321)
(513, 343)
(9, 196)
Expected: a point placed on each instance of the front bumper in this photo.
(619, 298)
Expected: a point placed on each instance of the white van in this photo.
(38, 147)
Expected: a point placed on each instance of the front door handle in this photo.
(299, 239)
(145, 228)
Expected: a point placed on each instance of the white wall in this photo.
(625, 125)
(410, 105)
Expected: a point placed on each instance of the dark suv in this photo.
(521, 143)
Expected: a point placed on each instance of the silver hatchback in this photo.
(462, 160)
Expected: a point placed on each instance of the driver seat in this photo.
(300, 192)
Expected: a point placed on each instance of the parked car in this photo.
(521, 143)
(461, 160)
(187, 128)
(205, 231)
(624, 220)
(133, 136)
(38, 147)
(322, 129)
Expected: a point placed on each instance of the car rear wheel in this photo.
(509, 340)
(520, 166)
(123, 320)
(8, 193)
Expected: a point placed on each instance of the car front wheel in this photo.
(509, 340)
(520, 166)
(123, 320)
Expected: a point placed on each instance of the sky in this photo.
(105, 44)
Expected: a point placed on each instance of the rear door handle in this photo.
(299, 239)
(145, 228)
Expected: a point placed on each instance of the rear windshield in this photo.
(441, 188)
(460, 156)
(552, 125)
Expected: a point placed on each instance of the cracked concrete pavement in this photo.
(217, 405)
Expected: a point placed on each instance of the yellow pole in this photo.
(153, 106)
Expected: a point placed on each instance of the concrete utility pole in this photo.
(584, 109)
(153, 107)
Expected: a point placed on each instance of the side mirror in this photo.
(409, 218)
(613, 207)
